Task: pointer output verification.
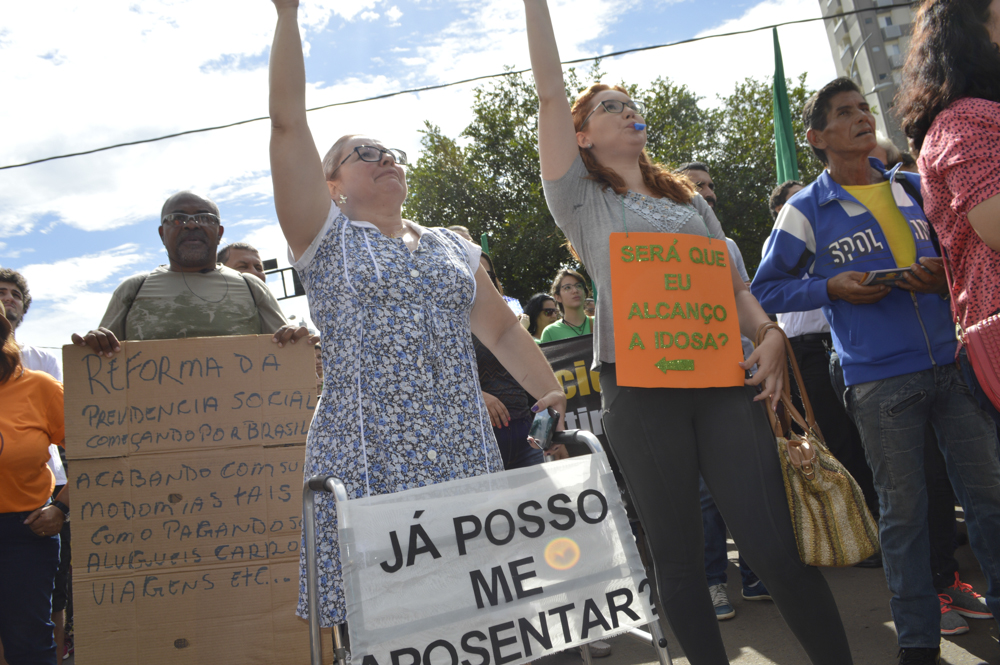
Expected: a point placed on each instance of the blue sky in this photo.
(110, 72)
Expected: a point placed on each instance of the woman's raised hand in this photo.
(301, 197)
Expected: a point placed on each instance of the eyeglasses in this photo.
(371, 153)
(617, 106)
(199, 219)
(550, 311)
(566, 288)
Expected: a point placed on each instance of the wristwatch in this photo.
(64, 508)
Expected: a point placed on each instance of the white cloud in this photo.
(52, 281)
(71, 295)
(393, 13)
(368, 16)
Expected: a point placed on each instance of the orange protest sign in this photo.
(674, 311)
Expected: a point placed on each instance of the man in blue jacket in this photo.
(897, 346)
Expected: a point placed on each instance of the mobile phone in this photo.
(887, 276)
(543, 427)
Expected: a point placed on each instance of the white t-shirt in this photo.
(43, 361)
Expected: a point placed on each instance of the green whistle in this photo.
(683, 365)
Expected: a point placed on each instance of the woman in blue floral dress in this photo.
(396, 304)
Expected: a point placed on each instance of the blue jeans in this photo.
(28, 566)
(892, 415)
(515, 451)
(716, 554)
(977, 391)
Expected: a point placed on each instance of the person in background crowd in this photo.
(950, 109)
(192, 296)
(589, 307)
(569, 290)
(462, 231)
(31, 419)
(896, 346)
(697, 172)
(507, 402)
(598, 180)
(716, 548)
(886, 151)
(384, 292)
(540, 312)
(242, 257)
(16, 299)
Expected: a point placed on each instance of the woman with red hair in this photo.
(598, 180)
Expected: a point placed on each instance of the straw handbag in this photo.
(831, 521)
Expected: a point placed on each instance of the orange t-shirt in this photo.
(31, 417)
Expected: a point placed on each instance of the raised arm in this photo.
(556, 136)
(301, 196)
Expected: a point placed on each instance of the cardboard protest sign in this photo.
(186, 480)
(505, 567)
(183, 394)
(675, 316)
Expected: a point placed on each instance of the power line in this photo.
(447, 85)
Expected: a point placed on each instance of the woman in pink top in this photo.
(950, 110)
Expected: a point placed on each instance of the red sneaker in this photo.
(965, 601)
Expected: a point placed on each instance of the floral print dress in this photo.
(401, 404)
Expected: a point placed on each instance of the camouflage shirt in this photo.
(165, 304)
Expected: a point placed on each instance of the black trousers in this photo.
(662, 439)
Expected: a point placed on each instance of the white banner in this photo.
(498, 569)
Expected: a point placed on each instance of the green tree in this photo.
(742, 162)
(494, 185)
(678, 130)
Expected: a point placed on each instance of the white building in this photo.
(870, 48)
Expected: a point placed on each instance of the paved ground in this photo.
(758, 636)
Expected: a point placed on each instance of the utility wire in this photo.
(448, 85)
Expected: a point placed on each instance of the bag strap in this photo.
(952, 297)
(780, 423)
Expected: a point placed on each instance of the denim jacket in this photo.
(822, 231)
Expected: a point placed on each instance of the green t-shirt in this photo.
(562, 330)
(170, 305)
